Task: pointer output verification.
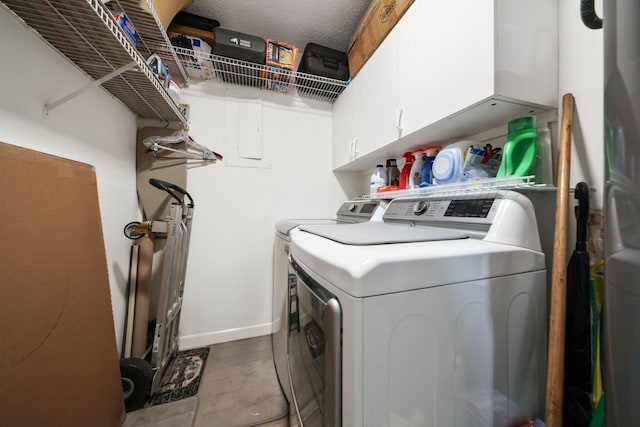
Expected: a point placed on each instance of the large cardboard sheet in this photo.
(58, 356)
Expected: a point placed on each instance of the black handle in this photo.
(582, 215)
(167, 186)
(331, 63)
(589, 16)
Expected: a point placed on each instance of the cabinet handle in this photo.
(351, 149)
(399, 121)
(356, 140)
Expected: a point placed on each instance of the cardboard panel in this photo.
(167, 9)
(378, 20)
(58, 357)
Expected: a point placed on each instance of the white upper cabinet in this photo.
(344, 126)
(449, 70)
(377, 98)
(445, 52)
(365, 115)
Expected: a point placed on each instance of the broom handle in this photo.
(555, 360)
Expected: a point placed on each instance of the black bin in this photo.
(324, 62)
(243, 47)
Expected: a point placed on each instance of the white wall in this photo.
(582, 73)
(93, 128)
(228, 288)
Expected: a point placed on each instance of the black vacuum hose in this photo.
(589, 16)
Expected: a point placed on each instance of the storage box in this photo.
(324, 62)
(243, 47)
(379, 19)
(281, 60)
(195, 66)
(281, 54)
(205, 35)
(194, 26)
(195, 21)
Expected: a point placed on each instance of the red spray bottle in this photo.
(406, 170)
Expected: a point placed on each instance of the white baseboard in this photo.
(202, 340)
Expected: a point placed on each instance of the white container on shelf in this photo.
(415, 176)
(448, 166)
(378, 179)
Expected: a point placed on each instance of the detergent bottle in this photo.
(393, 174)
(378, 179)
(519, 151)
(415, 176)
(430, 153)
(448, 166)
(406, 170)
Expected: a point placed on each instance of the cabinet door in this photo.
(445, 59)
(344, 124)
(378, 98)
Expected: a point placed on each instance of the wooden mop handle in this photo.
(555, 359)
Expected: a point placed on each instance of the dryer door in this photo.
(315, 354)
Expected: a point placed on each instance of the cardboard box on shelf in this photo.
(186, 30)
(194, 26)
(377, 22)
(281, 61)
(167, 9)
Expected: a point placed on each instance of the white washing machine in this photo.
(434, 317)
(349, 212)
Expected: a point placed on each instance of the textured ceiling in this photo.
(325, 22)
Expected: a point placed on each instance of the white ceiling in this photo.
(325, 22)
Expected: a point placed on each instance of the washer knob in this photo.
(420, 207)
(351, 207)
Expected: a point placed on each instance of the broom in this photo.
(555, 359)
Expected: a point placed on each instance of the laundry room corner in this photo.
(228, 290)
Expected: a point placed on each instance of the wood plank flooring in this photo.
(239, 388)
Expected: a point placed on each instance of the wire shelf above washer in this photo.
(204, 66)
(521, 183)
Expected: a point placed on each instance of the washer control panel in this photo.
(468, 210)
(357, 210)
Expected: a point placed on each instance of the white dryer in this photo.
(349, 212)
(434, 317)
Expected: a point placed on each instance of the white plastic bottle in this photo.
(378, 179)
(416, 168)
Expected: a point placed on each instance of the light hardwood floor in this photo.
(239, 388)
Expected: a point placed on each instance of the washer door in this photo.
(315, 353)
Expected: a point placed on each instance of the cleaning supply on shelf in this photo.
(430, 153)
(482, 162)
(393, 174)
(406, 170)
(127, 27)
(378, 179)
(519, 151)
(160, 69)
(543, 167)
(447, 167)
(415, 176)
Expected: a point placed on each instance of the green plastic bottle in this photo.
(519, 151)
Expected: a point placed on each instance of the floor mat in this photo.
(183, 376)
